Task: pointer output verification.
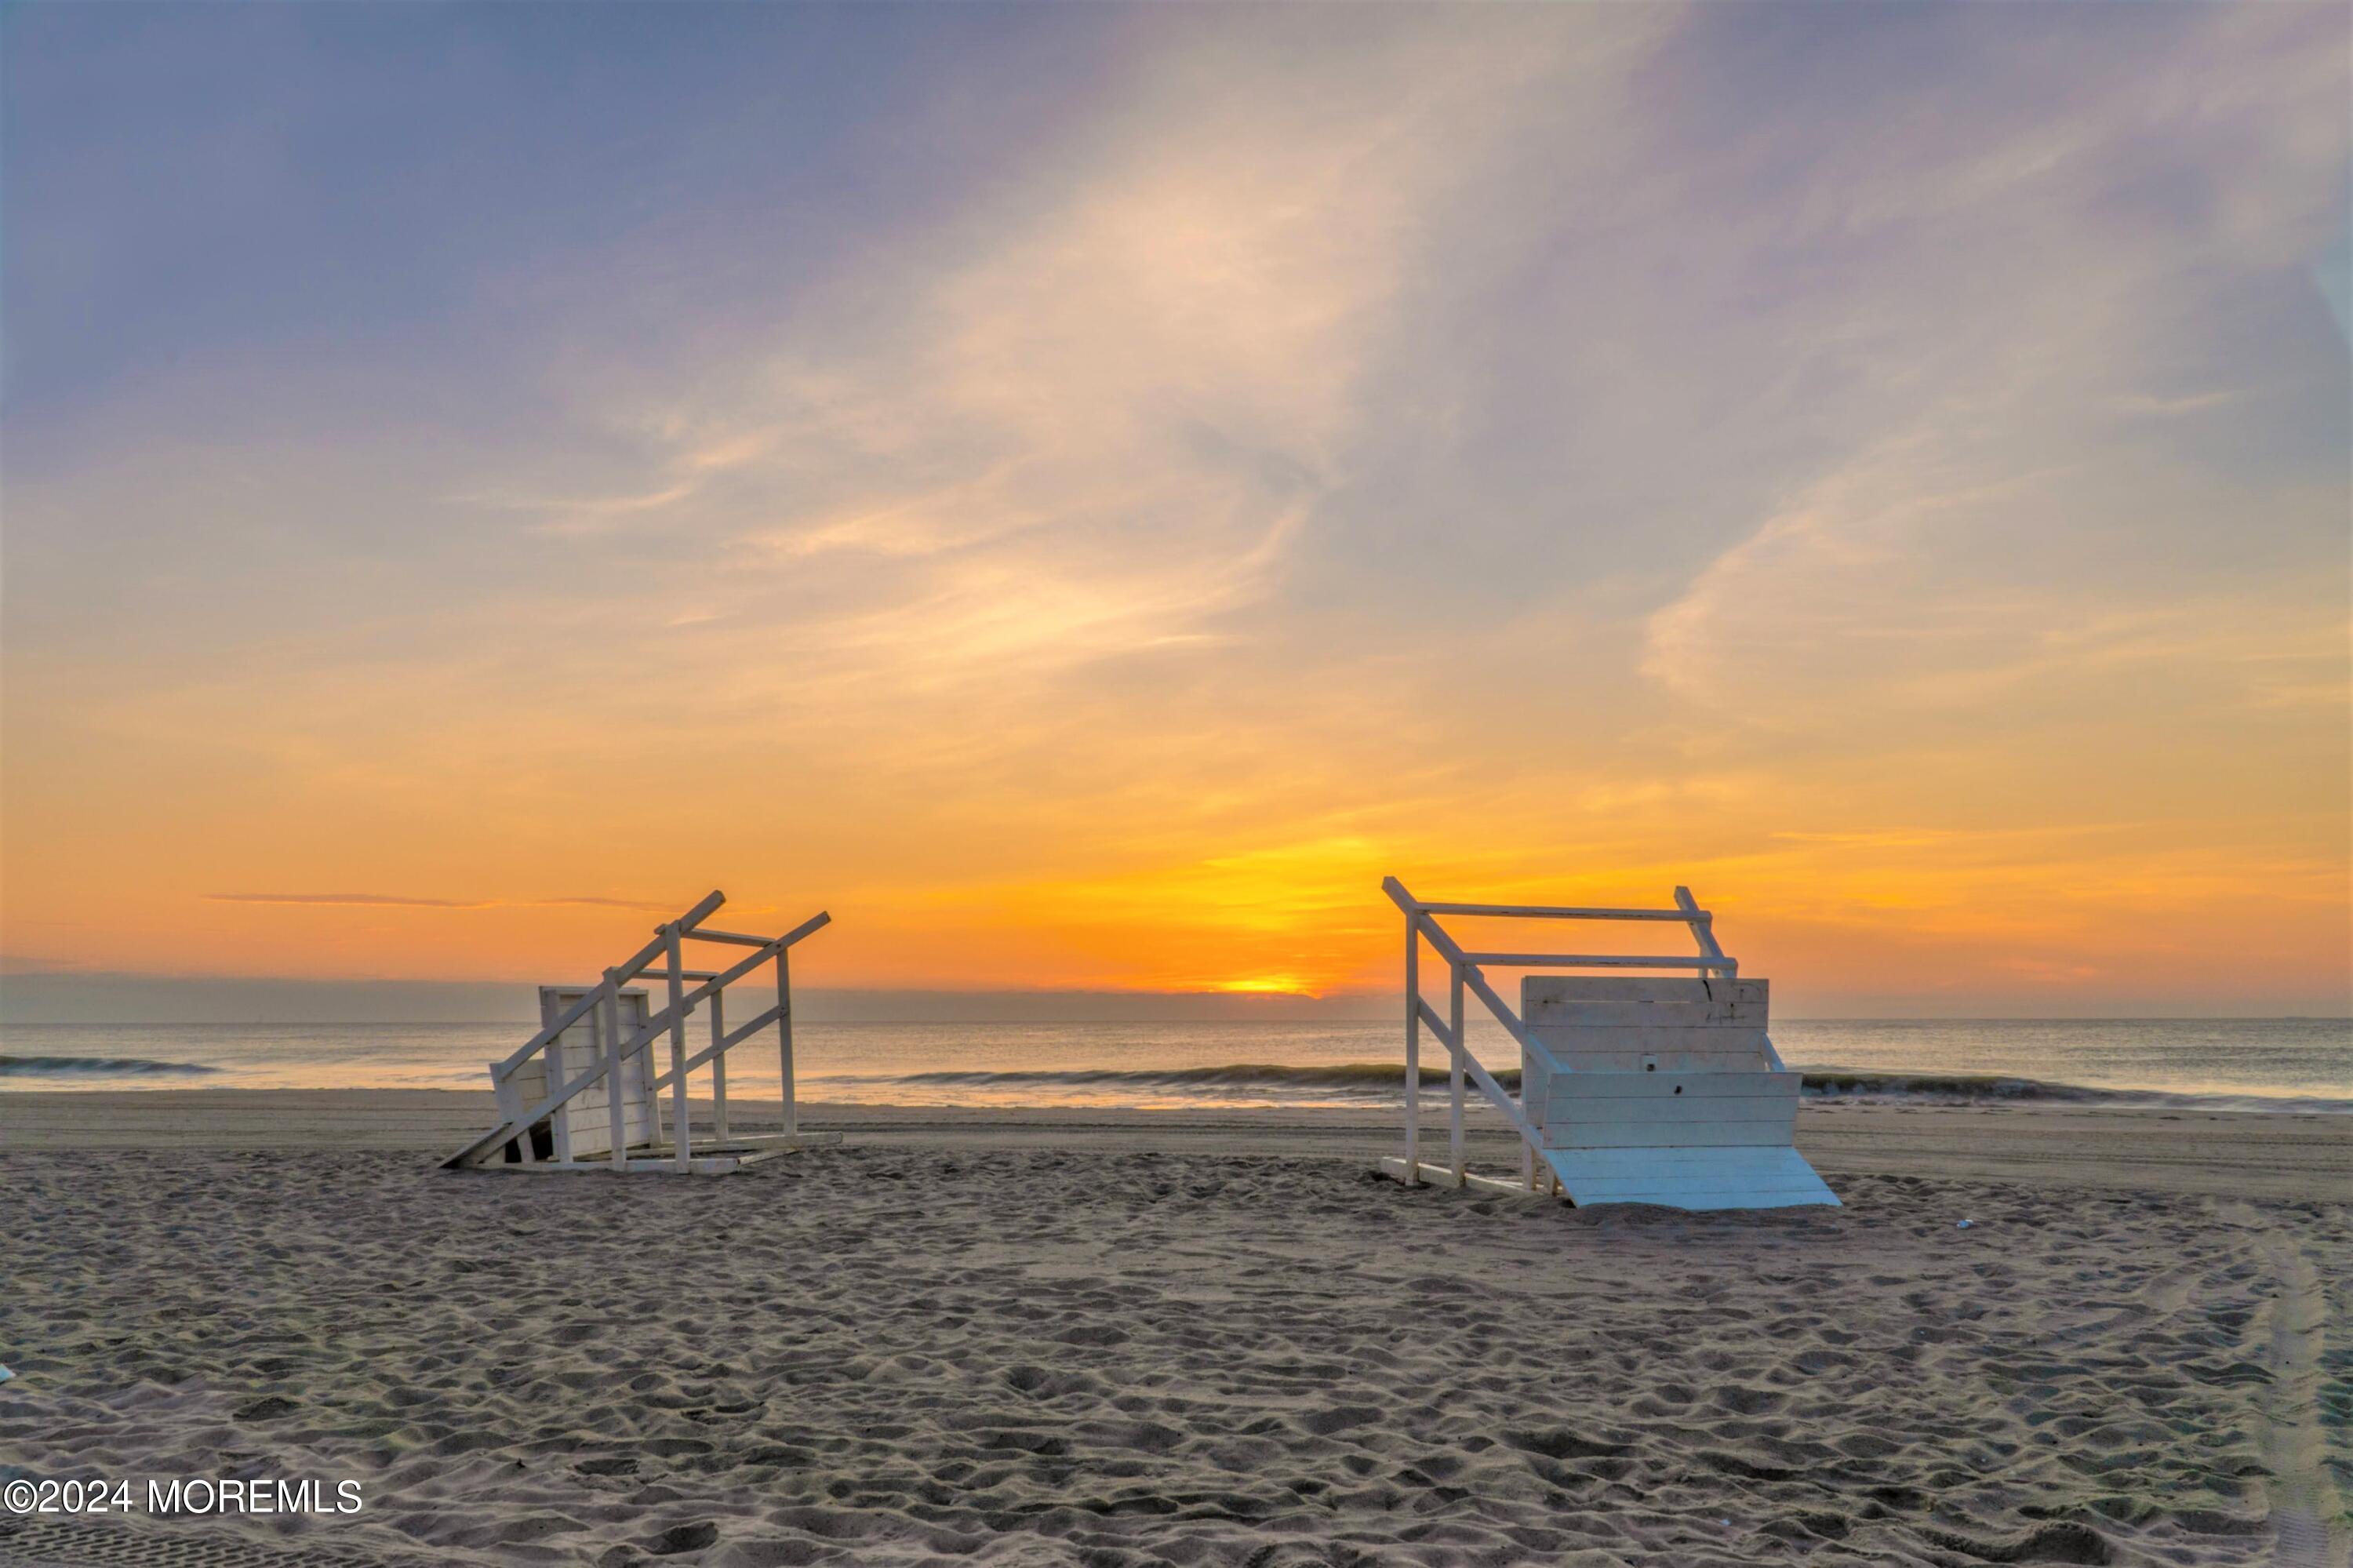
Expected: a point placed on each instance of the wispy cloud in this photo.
(404, 901)
(1088, 520)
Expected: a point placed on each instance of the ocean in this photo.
(2278, 1065)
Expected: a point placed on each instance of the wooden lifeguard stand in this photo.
(582, 1092)
(1632, 1089)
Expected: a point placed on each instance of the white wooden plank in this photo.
(801, 1139)
(718, 1067)
(558, 1124)
(681, 1133)
(1606, 1164)
(1561, 1038)
(608, 1029)
(1458, 1056)
(1743, 1178)
(1552, 999)
(1695, 1014)
(785, 1037)
(1557, 912)
(1759, 1178)
(1507, 960)
(1665, 1085)
(1614, 1064)
(1718, 1198)
(1618, 1098)
(1757, 1132)
(1413, 1010)
(1440, 1176)
(1654, 990)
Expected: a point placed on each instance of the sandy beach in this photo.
(1126, 1339)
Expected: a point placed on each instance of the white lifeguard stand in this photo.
(582, 1092)
(1632, 1089)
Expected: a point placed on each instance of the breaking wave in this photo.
(94, 1067)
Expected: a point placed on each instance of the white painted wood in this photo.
(681, 1133)
(559, 1130)
(1741, 1035)
(1761, 1132)
(1685, 1161)
(661, 1021)
(712, 1052)
(801, 1139)
(1555, 912)
(1701, 926)
(1459, 1056)
(718, 1054)
(1437, 1025)
(1666, 1084)
(593, 1084)
(1750, 1060)
(1452, 954)
(510, 1089)
(1390, 1165)
(736, 937)
(638, 961)
(1649, 1000)
(583, 1123)
(1414, 1008)
(1730, 1178)
(608, 1029)
(1596, 961)
(1569, 1112)
(784, 1036)
(1675, 1068)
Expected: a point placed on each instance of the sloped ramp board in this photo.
(1671, 1095)
(1726, 1178)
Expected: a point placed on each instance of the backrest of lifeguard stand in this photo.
(583, 1121)
(1615, 1024)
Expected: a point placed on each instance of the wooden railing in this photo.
(601, 1006)
(1465, 973)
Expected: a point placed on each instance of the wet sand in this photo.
(1090, 1338)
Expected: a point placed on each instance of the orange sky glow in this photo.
(1290, 462)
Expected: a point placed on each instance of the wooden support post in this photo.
(679, 1134)
(784, 1039)
(559, 1120)
(1454, 1078)
(510, 1108)
(718, 1074)
(1412, 1048)
(608, 1016)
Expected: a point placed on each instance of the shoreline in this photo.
(2271, 1155)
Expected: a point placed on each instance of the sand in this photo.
(1094, 1339)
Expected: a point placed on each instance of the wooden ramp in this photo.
(1746, 1176)
(1634, 1088)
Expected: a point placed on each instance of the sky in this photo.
(1083, 493)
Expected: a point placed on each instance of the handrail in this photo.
(738, 938)
(1447, 950)
(1493, 1090)
(658, 1025)
(727, 1043)
(1557, 912)
(1595, 961)
(614, 977)
(1436, 1025)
